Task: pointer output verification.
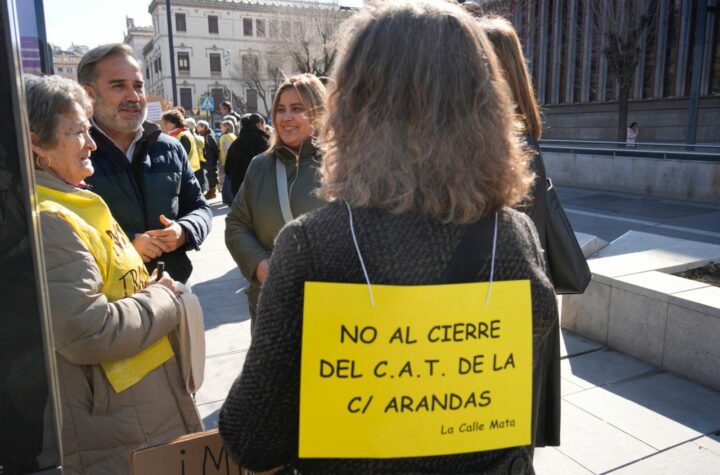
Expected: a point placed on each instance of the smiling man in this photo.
(142, 174)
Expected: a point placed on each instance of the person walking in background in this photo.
(407, 188)
(143, 175)
(506, 44)
(226, 109)
(252, 141)
(227, 137)
(200, 174)
(633, 133)
(212, 157)
(175, 125)
(257, 213)
(106, 312)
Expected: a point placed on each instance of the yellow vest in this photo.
(195, 153)
(121, 267)
(225, 141)
(200, 143)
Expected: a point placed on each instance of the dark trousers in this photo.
(202, 179)
(211, 167)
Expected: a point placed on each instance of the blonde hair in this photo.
(419, 116)
(312, 93)
(227, 126)
(506, 43)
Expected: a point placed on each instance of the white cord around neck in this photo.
(492, 262)
(357, 249)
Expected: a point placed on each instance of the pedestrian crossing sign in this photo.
(207, 104)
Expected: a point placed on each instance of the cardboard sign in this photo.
(428, 370)
(154, 111)
(194, 454)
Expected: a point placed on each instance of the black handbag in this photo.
(569, 270)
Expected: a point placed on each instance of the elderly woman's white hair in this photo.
(190, 124)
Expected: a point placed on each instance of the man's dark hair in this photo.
(86, 68)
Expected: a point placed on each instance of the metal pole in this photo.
(696, 72)
(173, 78)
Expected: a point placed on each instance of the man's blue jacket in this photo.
(158, 181)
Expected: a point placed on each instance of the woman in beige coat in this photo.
(120, 383)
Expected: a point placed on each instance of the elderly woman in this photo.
(261, 208)
(120, 383)
(173, 124)
(422, 166)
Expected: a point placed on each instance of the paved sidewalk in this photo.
(620, 415)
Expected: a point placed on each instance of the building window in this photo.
(286, 29)
(247, 26)
(251, 100)
(213, 24)
(186, 98)
(260, 28)
(274, 65)
(273, 28)
(147, 72)
(180, 22)
(298, 30)
(215, 61)
(218, 95)
(60, 70)
(183, 62)
(250, 66)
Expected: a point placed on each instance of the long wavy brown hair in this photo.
(506, 43)
(420, 117)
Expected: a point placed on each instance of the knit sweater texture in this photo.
(259, 420)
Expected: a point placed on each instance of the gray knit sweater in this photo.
(259, 420)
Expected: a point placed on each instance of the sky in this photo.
(95, 22)
(91, 22)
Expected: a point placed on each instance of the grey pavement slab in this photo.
(710, 442)
(227, 338)
(662, 410)
(572, 344)
(646, 208)
(686, 459)
(597, 445)
(220, 373)
(550, 461)
(603, 367)
(569, 387)
(209, 413)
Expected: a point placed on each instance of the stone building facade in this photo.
(234, 50)
(577, 90)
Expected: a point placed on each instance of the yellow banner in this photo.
(429, 370)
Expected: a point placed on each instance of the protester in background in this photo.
(200, 174)
(175, 125)
(401, 167)
(256, 216)
(212, 156)
(632, 135)
(227, 137)
(512, 64)
(226, 109)
(252, 141)
(103, 305)
(157, 199)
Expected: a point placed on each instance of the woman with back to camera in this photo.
(252, 141)
(420, 147)
(507, 47)
(104, 307)
(256, 215)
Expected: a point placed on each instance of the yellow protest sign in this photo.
(428, 370)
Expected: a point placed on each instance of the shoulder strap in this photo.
(475, 247)
(282, 189)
